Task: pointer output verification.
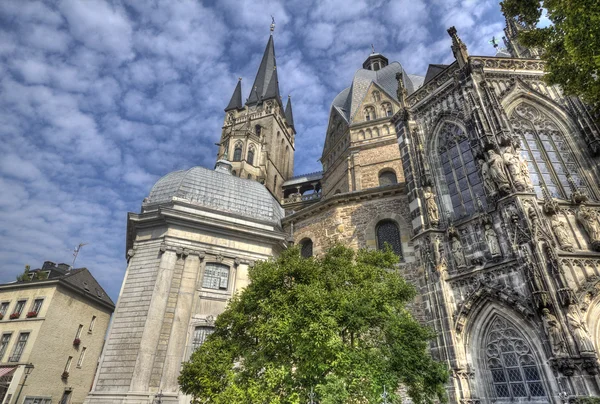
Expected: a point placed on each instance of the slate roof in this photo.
(236, 98)
(289, 115)
(266, 83)
(218, 191)
(433, 70)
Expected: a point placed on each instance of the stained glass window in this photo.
(510, 361)
(548, 156)
(461, 174)
(306, 248)
(216, 276)
(387, 178)
(388, 233)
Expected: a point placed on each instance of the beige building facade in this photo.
(55, 329)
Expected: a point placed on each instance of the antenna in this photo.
(76, 253)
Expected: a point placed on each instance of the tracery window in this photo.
(216, 276)
(511, 363)
(250, 158)
(237, 152)
(461, 174)
(545, 149)
(387, 109)
(388, 233)
(306, 248)
(387, 177)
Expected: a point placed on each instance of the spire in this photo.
(289, 116)
(266, 84)
(458, 48)
(236, 98)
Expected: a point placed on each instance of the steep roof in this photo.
(266, 83)
(236, 98)
(433, 70)
(289, 116)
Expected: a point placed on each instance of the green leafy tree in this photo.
(28, 276)
(338, 324)
(571, 44)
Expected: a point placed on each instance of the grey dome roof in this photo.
(348, 101)
(215, 190)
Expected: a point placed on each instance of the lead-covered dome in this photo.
(218, 191)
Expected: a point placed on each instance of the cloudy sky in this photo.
(99, 99)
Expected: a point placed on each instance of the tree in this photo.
(338, 324)
(571, 45)
(28, 276)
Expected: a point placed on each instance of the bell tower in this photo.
(258, 136)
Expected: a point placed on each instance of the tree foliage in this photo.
(571, 44)
(337, 324)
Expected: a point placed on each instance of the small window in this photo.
(376, 96)
(388, 233)
(38, 400)
(92, 324)
(237, 152)
(19, 308)
(337, 191)
(387, 177)
(66, 398)
(216, 276)
(4, 340)
(234, 173)
(37, 305)
(387, 109)
(275, 182)
(249, 176)
(257, 130)
(81, 356)
(79, 330)
(250, 158)
(68, 364)
(200, 334)
(19, 347)
(306, 248)
(3, 309)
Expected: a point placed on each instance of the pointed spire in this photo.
(266, 84)
(236, 98)
(289, 116)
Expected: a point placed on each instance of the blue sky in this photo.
(99, 99)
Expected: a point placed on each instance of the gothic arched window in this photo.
(370, 113)
(250, 158)
(549, 158)
(461, 174)
(387, 109)
(216, 276)
(388, 233)
(376, 96)
(387, 177)
(511, 362)
(237, 152)
(306, 248)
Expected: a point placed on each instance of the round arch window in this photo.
(387, 177)
(388, 233)
(306, 248)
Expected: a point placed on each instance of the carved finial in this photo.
(458, 47)
(272, 24)
(239, 79)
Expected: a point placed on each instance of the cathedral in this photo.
(481, 177)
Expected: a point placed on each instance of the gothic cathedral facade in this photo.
(481, 177)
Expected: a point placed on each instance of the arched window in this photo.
(369, 113)
(388, 233)
(234, 173)
(387, 177)
(548, 156)
(461, 174)
(369, 134)
(375, 132)
(511, 362)
(386, 130)
(249, 176)
(257, 130)
(250, 158)
(200, 334)
(361, 135)
(387, 110)
(306, 248)
(337, 191)
(376, 96)
(216, 276)
(237, 152)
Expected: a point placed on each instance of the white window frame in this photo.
(92, 323)
(79, 331)
(81, 357)
(4, 348)
(18, 344)
(37, 299)
(68, 364)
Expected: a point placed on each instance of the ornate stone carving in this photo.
(489, 185)
(456, 249)
(589, 220)
(566, 366)
(492, 240)
(579, 330)
(557, 342)
(497, 171)
(431, 207)
(515, 167)
(561, 233)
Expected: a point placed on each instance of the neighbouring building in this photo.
(481, 177)
(53, 327)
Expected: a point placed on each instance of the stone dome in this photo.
(216, 190)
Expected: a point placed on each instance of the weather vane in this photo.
(272, 24)
(494, 42)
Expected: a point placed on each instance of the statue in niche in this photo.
(492, 240)
(515, 168)
(557, 342)
(497, 172)
(525, 170)
(431, 206)
(440, 262)
(579, 330)
(488, 182)
(589, 219)
(561, 233)
(457, 252)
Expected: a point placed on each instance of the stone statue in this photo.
(488, 183)
(492, 240)
(497, 172)
(579, 330)
(557, 343)
(431, 206)
(525, 170)
(515, 168)
(589, 219)
(561, 233)
(457, 252)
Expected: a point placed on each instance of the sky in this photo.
(99, 99)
